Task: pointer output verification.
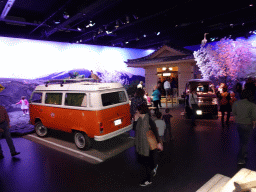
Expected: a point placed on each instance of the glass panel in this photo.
(53, 98)
(75, 99)
(113, 98)
(36, 98)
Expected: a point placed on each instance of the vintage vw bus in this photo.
(89, 110)
(207, 99)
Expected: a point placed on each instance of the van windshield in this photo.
(113, 98)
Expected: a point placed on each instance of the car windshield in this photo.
(203, 87)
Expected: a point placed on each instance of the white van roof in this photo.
(81, 86)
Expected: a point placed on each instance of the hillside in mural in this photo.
(14, 89)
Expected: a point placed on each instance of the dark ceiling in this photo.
(127, 23)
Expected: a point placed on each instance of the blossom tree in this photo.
(228, 59)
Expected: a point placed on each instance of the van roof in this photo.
(81, 86)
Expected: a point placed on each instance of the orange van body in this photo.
(96, 119)
(86, 121)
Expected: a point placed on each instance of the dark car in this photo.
(207, 98)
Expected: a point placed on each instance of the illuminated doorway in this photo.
(164, 73)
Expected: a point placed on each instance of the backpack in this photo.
(224, 100)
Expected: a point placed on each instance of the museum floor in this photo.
(189, 161)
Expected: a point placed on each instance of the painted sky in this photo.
(29, 59)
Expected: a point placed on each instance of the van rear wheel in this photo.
(40, 129)
(82, 141)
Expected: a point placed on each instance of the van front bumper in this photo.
(113, 134)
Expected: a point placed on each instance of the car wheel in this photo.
(41, 130)
(82, 141)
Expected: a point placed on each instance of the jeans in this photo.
(7, 136)
(156, 103)
(245, 133)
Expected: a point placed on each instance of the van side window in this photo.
(76, 99)
(53, 98)
(113, 98)
(36, 98)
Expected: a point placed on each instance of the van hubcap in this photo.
(80, 140)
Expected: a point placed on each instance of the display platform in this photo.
(99, 152)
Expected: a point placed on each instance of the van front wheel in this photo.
(40, 129)
(82, 141)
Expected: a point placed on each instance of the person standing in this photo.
(156, 95)
(244, 111)
(4, 127)
(193, 104)
(225, 105)
(140, 85)
(137, 100)
(167, 88)
(24, 105)
(161, 126)
(146, 157)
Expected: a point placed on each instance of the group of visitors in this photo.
(241, 102)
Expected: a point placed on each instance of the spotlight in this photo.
(79, 29)
(65, 15)
(158, 33)
(56, 22)
(127, 19)
(126, 42)
(144, 35)
(117, 24)
(91, 24)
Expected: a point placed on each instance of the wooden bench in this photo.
(244, 180)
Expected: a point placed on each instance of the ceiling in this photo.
(127, 23)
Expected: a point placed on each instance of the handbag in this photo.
(151, 140)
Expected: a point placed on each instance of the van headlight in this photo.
(199, 112)
(214, 101)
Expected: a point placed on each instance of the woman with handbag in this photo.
(147, 143)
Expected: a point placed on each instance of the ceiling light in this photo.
(57, 22)
(170, 68)
(126, 42)
(117, 24)
(144, 35)
(65, 15)
(158, 33)
(127, 19)
(109, 32)
(79, 29)
(164, 68)
(251, 5)
(91, 24)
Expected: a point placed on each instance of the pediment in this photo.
(166, 51)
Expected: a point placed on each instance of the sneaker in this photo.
(15, 153)
(1, 156)
(145, 183)
(241, 161)
(154, 170)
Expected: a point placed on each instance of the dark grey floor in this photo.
(187, 163)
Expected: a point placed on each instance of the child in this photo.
(24, 105)
(147, 98)
(167, 119)
(160, 124)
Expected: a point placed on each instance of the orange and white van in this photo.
(89, 110)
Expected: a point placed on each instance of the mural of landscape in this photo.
(28, 63)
